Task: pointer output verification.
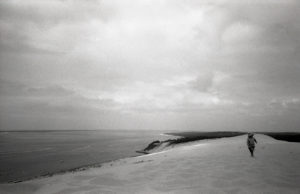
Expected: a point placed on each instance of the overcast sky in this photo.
(167, 64)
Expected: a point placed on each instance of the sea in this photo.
(29, 154)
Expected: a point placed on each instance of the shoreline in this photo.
(97, 165)
(30, 154)
(71, 170)
(94, 165)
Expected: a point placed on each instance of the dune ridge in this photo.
(213, 166)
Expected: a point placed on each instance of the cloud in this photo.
(241, 33)
(185, 64)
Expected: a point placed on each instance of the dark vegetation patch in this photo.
(153, 145)
(184, 137)
(284, 136)
(195, 136)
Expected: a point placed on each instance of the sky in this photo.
(150, 65)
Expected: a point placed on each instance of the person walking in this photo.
(251, 141)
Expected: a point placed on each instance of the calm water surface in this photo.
(24, 155)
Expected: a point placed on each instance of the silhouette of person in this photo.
(251, 141)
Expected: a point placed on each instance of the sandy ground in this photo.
(211, 166)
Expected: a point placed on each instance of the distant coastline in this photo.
(194, 136)
(283, 136)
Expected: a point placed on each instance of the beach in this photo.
(209, 166)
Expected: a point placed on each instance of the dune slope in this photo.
(212, 166)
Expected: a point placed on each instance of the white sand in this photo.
(211, 166)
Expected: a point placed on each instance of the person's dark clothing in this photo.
(251, 144)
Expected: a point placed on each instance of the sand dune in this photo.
(210, 166)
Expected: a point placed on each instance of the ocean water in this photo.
(25, 155)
